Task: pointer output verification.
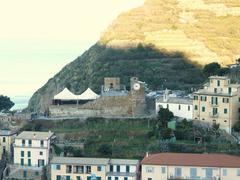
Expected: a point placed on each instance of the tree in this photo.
(211, 69)
(105, 150)
(167, 133)
(164, 116)
(5, 103)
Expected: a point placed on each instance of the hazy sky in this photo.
(39, 37)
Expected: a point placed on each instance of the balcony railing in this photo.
(212, 115)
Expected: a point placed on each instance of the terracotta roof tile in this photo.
(184, 159)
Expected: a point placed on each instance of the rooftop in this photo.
(78, 160)
(176, 100)
(124, 161)
(7, 132)
(184, 159)
(35, 135)
(218, 77)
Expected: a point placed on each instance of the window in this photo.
(69, 169)
(110, 178)
(79, 169)
(238, 172)
(30, 142)
(78, 177)
(41, 153)
(41, 142)
(218, 83)
(118, 168)
(238, 99)
(178, 172)
(167, 106)
(214, 100)
(29, 162)
(22, 153)
(193, 172)
(203, 98)
(163, 170)
(224, 172)
(215, 90)
(215, 111)
(149, 169)
(29, 153)
(203, 109)
(179, 107)
(116, 178)
(127, 169)
(196, 107)
(125, 178)
(23, 142)
(225, 111)
(99, 168)
(209, 172)
(111, 168)
(149, 178)
(4, 139)
(22, 162)
(225, 121)
(58, 177)
(24, 173)
(188, 108)
(225, 100)
(229, 90)
(58, 167)
(195, 97)
(36, 173)
(88, 170)
(67, 177)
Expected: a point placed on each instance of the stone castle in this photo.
(114, 101)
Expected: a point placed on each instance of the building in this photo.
(218, 102)
(93, 168)
(6, 142)
(173, 166)
(123, 169)
(179, 106)
(32, 148)
(78, 168)
(115, 101)
(31, 154)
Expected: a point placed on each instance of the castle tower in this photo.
(137, 95)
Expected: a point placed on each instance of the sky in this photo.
(39, 37)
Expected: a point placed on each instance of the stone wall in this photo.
(116, 106)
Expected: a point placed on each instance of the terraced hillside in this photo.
(163, 42)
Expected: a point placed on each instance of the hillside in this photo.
(161, 42)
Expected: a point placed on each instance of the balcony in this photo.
(213, 104)
(212, 115)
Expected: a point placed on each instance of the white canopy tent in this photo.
(88, 95)
(68, 95)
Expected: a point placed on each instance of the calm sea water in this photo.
(21, 102)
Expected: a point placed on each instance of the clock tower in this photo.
(137, 94)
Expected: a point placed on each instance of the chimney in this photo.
(147, 154)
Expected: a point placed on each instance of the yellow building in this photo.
(173, 166)
(218, 102)
(6, 141)
(74, 168)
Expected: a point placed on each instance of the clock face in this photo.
(136, 86)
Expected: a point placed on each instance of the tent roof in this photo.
(88, 95)
(68, 95)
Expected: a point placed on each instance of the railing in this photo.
(213, 115)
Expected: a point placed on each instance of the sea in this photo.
(21, 102)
